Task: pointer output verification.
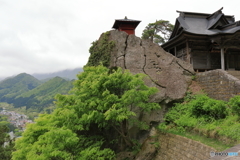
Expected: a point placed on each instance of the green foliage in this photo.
(90, 123)
(200, 109)
(217, 144)
(209, 108)
(3, 130)
(235, 104)
(158, 32)
(95, 152)
(206, 116)
(193, 77)
(5, 152)
(18, 132)
(101, 51)
(136, 148)
(189, 96)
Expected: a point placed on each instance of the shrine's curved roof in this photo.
(205, 24)
(125, 20)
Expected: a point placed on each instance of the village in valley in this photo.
(16, 119)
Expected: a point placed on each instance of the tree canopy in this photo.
(158, 32)
(92, 122)
(5, 151)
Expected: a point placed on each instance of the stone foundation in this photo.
(218, 84)
(175, 147)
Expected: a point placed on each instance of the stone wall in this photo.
(175, 147)
(218, 84)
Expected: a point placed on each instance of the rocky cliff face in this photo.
(169, 74)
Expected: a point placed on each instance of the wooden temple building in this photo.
(207, 41)
(127, 25)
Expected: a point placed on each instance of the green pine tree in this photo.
(158, 32)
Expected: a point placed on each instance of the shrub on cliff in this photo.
(100, 51)
(235, 105)
(92, 122)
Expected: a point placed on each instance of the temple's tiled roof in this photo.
(205, 24)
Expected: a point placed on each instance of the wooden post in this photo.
(222, 59)
(227, 60)
(175, 51)
(209, 60)
(187, 50)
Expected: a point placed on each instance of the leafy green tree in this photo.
(92, 122)
(158, 32)
(5, 151)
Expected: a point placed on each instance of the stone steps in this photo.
(235, 74)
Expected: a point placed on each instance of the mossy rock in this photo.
(101, 51)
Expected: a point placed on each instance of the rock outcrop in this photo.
(164, 71)
(169, 74)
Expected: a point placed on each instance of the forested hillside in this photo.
(12, 87)
(43, 95)
(25, 90)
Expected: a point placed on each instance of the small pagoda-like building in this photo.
(207, 41)
(127, 25)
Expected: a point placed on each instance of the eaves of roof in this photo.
(172, 41)
(183, 23)
(118, 21)
(231, 25)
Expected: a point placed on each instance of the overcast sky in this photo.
(41, 36)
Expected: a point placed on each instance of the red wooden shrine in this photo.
(127, 25)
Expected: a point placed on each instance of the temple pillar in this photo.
(222, 59)
(187, 50)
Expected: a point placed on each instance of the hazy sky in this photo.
(39, 36)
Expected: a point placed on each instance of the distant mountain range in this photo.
(26, 90)
(68, 74)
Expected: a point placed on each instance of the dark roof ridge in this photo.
(203, 14)
(198, 13)
(214, 20)
(219, 17)
(214, 14)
